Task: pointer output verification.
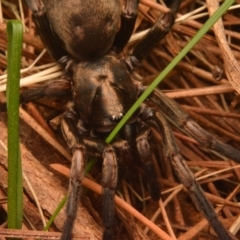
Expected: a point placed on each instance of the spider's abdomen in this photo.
(86, 28)
(103, 92)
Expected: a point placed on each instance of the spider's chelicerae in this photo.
(87, 37)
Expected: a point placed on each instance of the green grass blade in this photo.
(57, 210)
(15, 192)
(209, 23)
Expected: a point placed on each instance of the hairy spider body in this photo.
(86, 31)
(103, 90)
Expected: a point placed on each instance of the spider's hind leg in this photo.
(157, 32)
(51, 41)
(128, 19)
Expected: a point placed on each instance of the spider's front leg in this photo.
(76, 177)
(109, 184)
(75, 143)
(83, 145)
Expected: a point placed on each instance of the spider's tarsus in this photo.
(108, 213)
(153, 185)
(108, 216)
(108, 234)
(67, 230)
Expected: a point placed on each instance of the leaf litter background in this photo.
(200, 83)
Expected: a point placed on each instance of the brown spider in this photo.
(85, 36)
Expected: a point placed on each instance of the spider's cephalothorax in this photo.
(91, 34)
(103, 91)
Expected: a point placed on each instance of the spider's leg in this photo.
(158, 31)
(55, 88)
(76, 177)
(109, 184)
(119, 151)
(51, 41)
(123, 151)
(187, 178)
(145, 153)
(128, 19)
(183, 120)
(95, 147)
(69, 130)
(109, 180)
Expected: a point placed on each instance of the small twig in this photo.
(232, 67)
(166, 220)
